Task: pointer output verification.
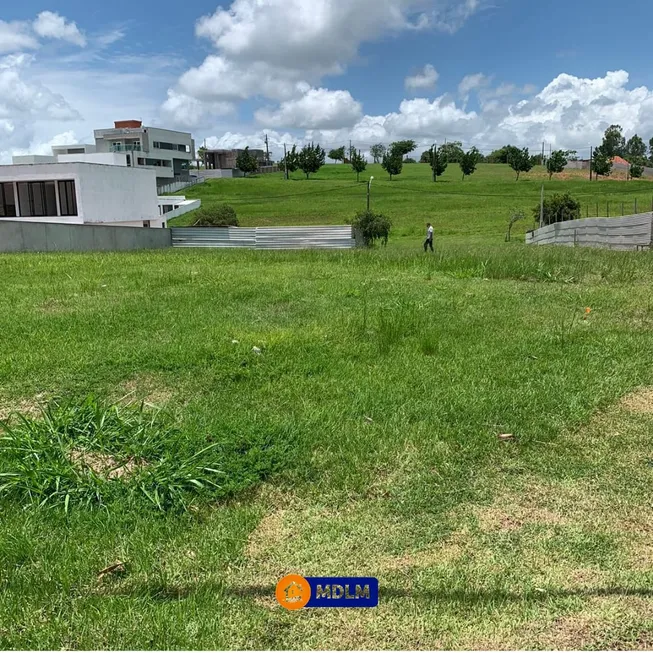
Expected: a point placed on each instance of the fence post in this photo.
(635, 206)
(622, 208)
(597, 209)
(608, 210)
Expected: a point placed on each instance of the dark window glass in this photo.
(37, 200)
(23, 200)
(7, 201)
(50, 199)
(67, 198)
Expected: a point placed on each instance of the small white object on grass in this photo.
(257, 351)
(235, 342)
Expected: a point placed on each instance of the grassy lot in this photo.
(476, 210)
(361, 441)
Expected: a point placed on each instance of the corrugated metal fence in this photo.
(340, 237)
(629, 232)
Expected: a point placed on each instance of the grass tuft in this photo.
(86, 453)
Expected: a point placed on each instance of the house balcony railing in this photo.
(121, 147)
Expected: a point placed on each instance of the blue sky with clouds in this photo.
(485, 72)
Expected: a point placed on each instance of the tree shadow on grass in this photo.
(172, 592)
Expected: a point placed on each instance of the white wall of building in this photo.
(106, 194)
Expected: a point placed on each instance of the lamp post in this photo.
(369, 188)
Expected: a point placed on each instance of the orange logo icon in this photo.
(293, 592)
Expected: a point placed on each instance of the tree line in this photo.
(312, 157)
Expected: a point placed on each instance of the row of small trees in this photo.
(312, 157)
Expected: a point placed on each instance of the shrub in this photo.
(558, 208)
(409, 160)
(372, 227)
(221, 215)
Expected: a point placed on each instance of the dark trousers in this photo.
(428, 243)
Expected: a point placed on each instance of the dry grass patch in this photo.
(640, 401)
(146, 388)
(32, 407)
(105, 465)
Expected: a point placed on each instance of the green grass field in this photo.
(362, 440)
(476, 210)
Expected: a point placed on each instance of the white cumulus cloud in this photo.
(425, 79)
(317, 109)
(278, 49)
(51, 25)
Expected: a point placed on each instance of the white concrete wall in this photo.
(112, 194)
(31, 159)
(103, 158)
(106, 194)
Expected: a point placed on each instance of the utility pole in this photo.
(591, 157)
(542, 161)
(435, 145)
(285, 160)
(369, 189)
(542, 207)
(267, 150)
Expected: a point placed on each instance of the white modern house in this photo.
(113, 182)
(170, 153)
(86, 189)
(79, 193)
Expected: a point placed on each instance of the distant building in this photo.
(169, 153)
(226, 159)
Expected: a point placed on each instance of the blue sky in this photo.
(484, 71)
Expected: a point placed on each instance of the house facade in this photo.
(80, 193)
(169, 153)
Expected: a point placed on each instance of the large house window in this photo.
(7, 201)
(37, 199)
(67, 198)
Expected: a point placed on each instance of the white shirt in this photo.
(429, 233)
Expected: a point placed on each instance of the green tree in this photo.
(338, 155)
(557, 162)
(453, 152)
(200, 156)
(392, 163)
(635, 149)
(372, 226)
(601, 163)
(614, 143)
(520, 161)
(650, 151)
(558, 208)
(636, 169)
(437, 161)
(311, 159)
(469, 161)
(358, 163)
(246, 162)
(377, 151)
(290, 162)
(402, 148)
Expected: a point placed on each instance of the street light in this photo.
(369, 188)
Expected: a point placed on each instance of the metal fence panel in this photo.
(338, 237)
(629, 232)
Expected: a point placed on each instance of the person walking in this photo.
(429, 238)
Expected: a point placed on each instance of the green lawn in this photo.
(363, 440)
(476, 210)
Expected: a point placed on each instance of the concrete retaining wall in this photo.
(630, 232)
(17, 236)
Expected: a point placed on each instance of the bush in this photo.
(558, 208)
(409, 160)
(221, 215)
(372, 227)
